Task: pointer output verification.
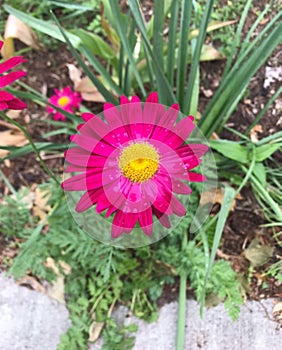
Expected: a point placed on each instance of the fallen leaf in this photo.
(95, 330)
(216, 196)
(13, 113)
(258, 254)
(87, 89)
(74, 74)
(210, 53)
(277, 312)
(207, 92)
(57, 288)
(32, 283)
(254, 132)
(16, 29)
(11, 138)
(96, 327)
(40, 207)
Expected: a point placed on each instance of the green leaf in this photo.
(260, 173)
(231, 150)
(96, 44)
(265, 151)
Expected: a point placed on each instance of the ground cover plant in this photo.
(135, 59)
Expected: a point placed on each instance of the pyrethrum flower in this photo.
(65, 99)
(7, 100)
(134, 164)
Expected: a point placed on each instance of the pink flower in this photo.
(134, 164)
(7, 100)
(65, 99)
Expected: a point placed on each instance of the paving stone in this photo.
(253, 331)
(29, 320)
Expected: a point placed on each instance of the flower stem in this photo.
(180, 336)
(43, 164)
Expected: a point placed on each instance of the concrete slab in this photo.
(29, 320)
(253, 331)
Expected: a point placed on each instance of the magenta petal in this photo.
(3, 106)
(112, 115)
(153, 97)
(184, 128)
(135, 99)
(180, 187)
(74, 168)
(11, 63)
(6, 96)
(86, 201)
(103, 203)
(152, 113)
(192, 150)
(123, 223)
(87, 116)
(97, 126)
(177, 206)
(168, 119)
(163, 218)
(79, 182)
(81, 157)
(10, 78)
(16, 104)
(146, 221)
(194, 177)
(123, 100)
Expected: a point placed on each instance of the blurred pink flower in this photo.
(7, 100)
(65, 99)
(133, 162)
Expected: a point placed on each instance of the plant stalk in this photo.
(180, 336)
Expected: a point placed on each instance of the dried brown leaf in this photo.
(40, 206)
(11, 138)
(32, 283)
(254, 132)
(95, 330)
(216, 196)
(16, 29)
(258, 254)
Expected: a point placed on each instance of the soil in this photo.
(47, 70)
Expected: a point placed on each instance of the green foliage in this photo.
(101, 275)
(15, 217)
(115, 337)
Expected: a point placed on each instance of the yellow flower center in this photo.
(139, 162)
(63, 101)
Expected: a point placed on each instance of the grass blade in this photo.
(229, 194)
(236, 81)
(171, 42)
(125, 42)
(196, 57)
(133, 4)
(158, 43)
(186, 10)
(236, 41)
